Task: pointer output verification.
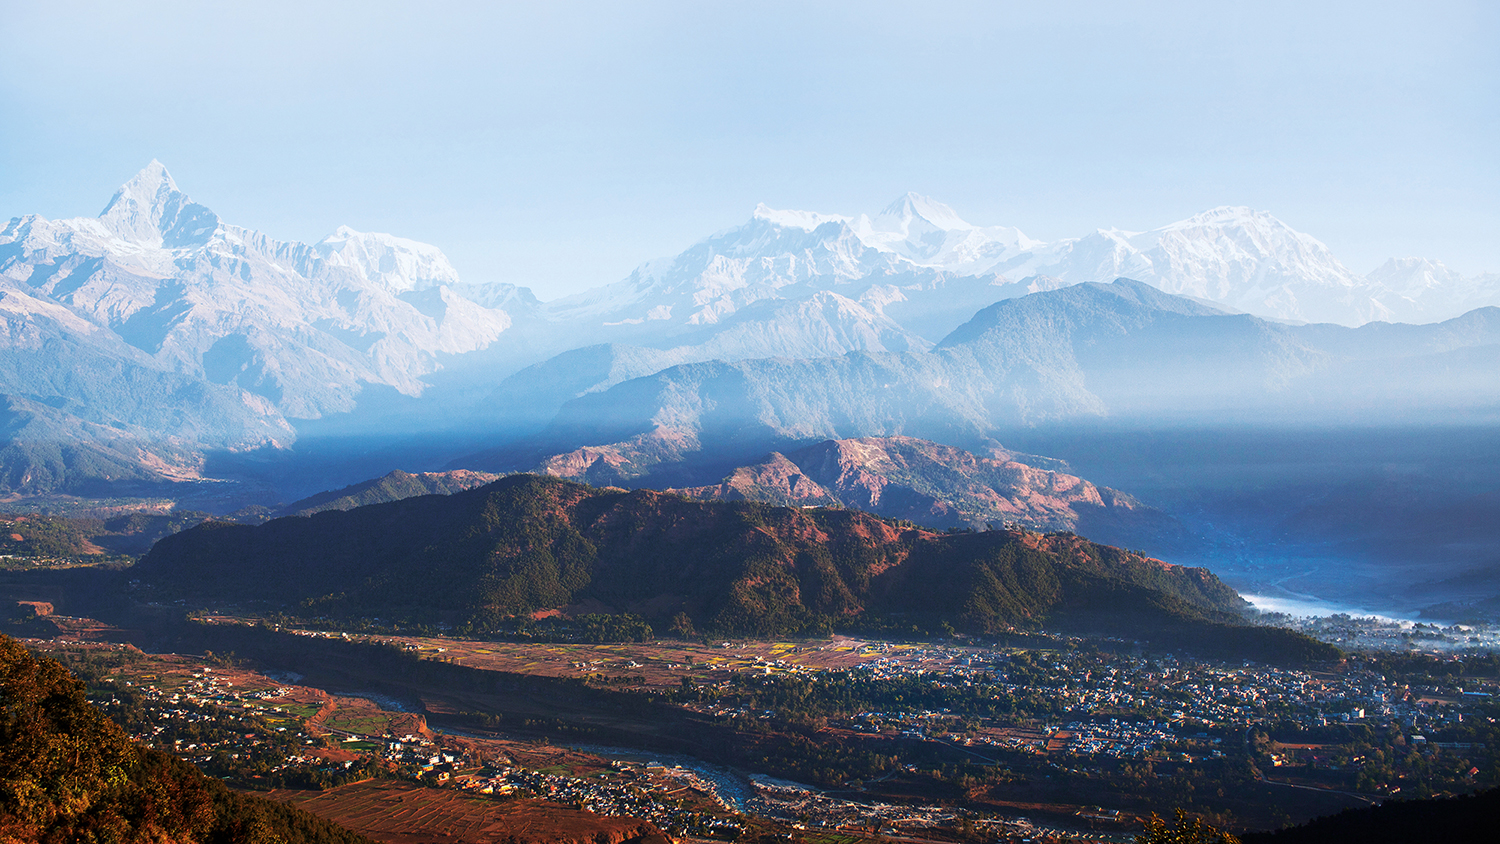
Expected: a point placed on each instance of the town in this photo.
(971, 720)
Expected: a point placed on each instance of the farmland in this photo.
(658, 664)
(954, 740)
(405, 813)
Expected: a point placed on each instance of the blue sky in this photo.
(560, 144)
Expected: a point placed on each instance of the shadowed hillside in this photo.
(529, 544)
(1438, 821)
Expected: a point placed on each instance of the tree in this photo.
(1184, 831)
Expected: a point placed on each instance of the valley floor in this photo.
(823, 740)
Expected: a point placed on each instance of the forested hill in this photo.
(70, 774)
(393, 486)
(530, 543)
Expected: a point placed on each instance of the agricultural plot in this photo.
(357, 723)
(403, 813)
(358, 717)
(292, 711)
(653, 664)
(531, 755)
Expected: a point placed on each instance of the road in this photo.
(1260, 777)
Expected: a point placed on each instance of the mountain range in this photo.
(156, 344)
(137, 341)
(301, 326)
(938, 486)
(925, 483)
(1120, 353)
(923, 266)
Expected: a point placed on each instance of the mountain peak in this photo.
(1410, 264)
(1228, 215)
(398, 264)
(150, 210)
(150, 188)
(807, 220)
(1413, 277)
(899, 215)
(154, 175)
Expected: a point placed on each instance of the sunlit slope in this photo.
(939, 486)
(70, 774)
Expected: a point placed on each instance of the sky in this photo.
(558, 145)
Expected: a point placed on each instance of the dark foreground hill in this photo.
(69, 774)
(530, 545)
(1474, 817)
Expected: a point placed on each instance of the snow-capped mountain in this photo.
(926, 268)
(143, 337)
(930, 234)
(1243, 258)
(921, 264)
(775, 255)
(1415, 278)
(916, 248)
(399, 264)
(1423, 290)
(305, 326)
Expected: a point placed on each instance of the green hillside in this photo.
(483, 558)
(393, 486)
(69, 774)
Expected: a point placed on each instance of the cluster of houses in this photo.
(649, 791)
